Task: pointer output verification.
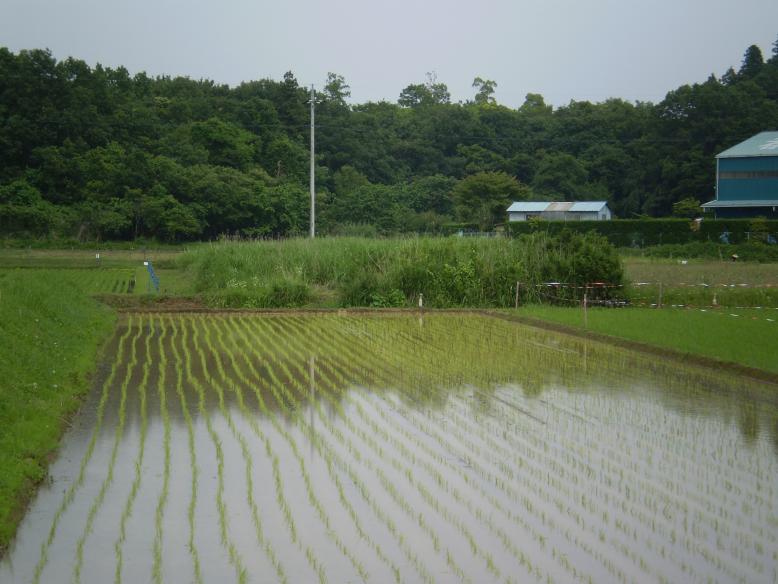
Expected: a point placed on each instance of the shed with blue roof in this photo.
(747, 179)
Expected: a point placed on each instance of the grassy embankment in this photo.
(50, 333)
(747, 339)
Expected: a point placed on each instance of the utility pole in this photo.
(313, 170)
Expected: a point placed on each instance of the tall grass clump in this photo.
(49, 342)
(448, 272)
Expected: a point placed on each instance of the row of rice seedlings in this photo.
(262, 539)
(640, 512)
(192, 507)
(395, 348)
(330, 454)
(314, 439)
(70, 494)
(312, 498)
(159, 513)
(548, 479)
(493, 453)
(434, 463)
(232, 551)
(386, 482)
(406, 471)
(108, 481)
(310, 555)
(441, 482)
(650, 507)
(136, 483)
(688, 512)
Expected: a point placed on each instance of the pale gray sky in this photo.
(563, 49)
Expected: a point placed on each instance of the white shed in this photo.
(560, 211)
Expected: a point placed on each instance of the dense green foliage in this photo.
(48, 341)
(748, 338)
(639, 233)
(97, 153)
(382, 273)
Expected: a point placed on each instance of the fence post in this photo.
(517, 294)
(659, 302)
(586, 316)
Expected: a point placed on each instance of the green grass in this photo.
(702, 283)
(49, 340)
(448, 272)
(748, 339)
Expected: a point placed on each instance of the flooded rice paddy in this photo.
(339, 448)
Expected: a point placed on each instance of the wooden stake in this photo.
(517, 294)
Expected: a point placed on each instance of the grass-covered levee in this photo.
(448, 272)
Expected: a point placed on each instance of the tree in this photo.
(774, 58)
(752, 63)
(336, 89)
(560, 175)
(688, 208)
(485, 93)
(347, 179)
(484, 197)
(429, 93)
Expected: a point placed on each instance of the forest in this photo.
(94, 153)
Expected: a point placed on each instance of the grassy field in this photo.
(49, 339)
(747, 337)
(701, 283)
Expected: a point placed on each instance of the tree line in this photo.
(98, 153)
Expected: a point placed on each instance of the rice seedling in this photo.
(409, 455)
(385, 481)
(312, 498)
(178, 362)
(136, 483)
(232, 551)
(156, 570)
(97, 503)
(333, 455)
(71, 492)
(315, 439)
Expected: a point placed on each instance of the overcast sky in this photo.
(563, 49)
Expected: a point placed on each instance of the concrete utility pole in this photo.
(313, 170)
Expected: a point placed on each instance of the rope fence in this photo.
(554, 293)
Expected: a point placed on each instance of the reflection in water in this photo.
(404, 448)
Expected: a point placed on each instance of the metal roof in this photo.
(567, 206)
(763, 144)
(558, 206)
(588, 206)
(528, 207)
(746, 203)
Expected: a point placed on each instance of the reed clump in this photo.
(448, 272)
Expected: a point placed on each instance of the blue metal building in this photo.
(747, 179)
